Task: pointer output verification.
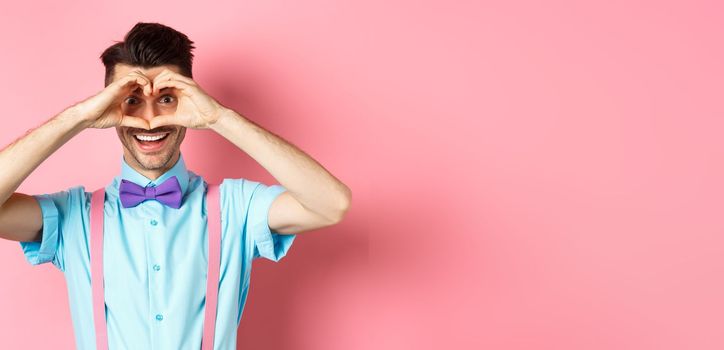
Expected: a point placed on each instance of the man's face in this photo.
(140, 147)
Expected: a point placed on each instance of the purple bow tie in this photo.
(168, 193)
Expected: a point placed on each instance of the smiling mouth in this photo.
(150, 142)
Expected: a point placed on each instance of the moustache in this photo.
(134, 131)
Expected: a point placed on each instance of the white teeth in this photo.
(150, 138)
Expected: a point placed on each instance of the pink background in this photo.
(534, 175)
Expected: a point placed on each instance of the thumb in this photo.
(162, 120)
(134, 122)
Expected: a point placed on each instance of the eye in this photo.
(131, 100)
(167, 98)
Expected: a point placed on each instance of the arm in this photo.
(20, 214)
(315, 198)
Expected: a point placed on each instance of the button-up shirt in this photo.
(155, 259)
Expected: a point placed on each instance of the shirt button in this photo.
(154, 222)
(159, 317)
(156, 267)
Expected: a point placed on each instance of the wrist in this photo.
(225, 116)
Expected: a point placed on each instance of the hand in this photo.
(103, 110)
(195, 108)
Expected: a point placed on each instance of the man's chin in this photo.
(155, 161)
(152, 160)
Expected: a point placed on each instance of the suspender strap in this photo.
(213, 219)
(213, 209)
(96, 258)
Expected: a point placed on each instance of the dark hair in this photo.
(148, 45)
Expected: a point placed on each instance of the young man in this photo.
(155, 251)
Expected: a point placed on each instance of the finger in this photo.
(147, 89)
(136, 73)
(163, 120)
(134, 122)
(179, 85)
(160, 77)
(168, 74)
(135, 79)
(146, 84)
(168, 83)
(112, 93)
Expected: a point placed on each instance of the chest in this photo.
(155, 258)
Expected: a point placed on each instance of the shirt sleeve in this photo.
(54, 208)
(256, 199)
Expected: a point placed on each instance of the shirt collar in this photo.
(179, 170)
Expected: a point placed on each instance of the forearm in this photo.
(21, 157)
(307, 180)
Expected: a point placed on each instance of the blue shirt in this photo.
(155, 259)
